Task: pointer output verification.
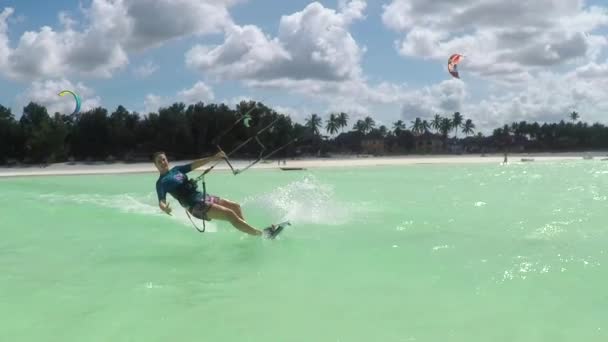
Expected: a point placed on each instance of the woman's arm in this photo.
(200, 162)
(164, 206)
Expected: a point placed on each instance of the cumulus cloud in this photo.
(443, 98)
(153, 102)
(313, 44)
(199, 92)
(503, 40)
(4, 42)
(536, 60)
(549, 98)
(112, 30)
(246, 53)
(532, 60)
(171, 19)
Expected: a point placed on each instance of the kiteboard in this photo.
(278, 228)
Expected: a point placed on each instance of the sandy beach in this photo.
(311, 163)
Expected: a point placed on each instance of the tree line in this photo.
(186, 132)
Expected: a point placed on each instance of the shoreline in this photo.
(99, 168)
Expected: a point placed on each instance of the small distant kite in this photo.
(453, 64)
(76, 97)
(246, 119)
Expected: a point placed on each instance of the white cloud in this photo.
(313, 44)
(234, 101)
(549, 98)
(444, 98)
(286, 110)
(313, 55)
(504, 41)
(145, 70)
(4, 42)
(46, 93)
(355, 111)
(200, 92)
(521, 51)
(345, 94)
(246, 53)
(113, 28)
(171, 19)
(351, 10)
(153, 102)
(297, 115)
(592, 70)
(50, 54)
(537, 60)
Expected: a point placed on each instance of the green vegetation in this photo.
(187, 132)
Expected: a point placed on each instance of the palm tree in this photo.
(342, 120)
(332, 124)
(506, 134)
(359, 126)
(417, 126)
(436, 122)
(369, 124)
(517, 129)
(398, 127)
(456, 122)
(523, 129)
(534, 130)
(383, 131)
(445, 127)
(574, 116)
(424, 126)
(479, 139)
(468, 127)
(314, 123)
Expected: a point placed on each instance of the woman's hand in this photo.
(166, 208)
(220, 155)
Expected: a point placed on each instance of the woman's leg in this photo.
(233, 206)
(219, 212)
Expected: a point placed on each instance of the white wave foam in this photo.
(127, 203)
(405, 225)
(550, 230)
(304, 201)
(522, 267)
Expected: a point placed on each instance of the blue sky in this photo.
(383, 58)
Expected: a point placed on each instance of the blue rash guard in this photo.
(175, 182)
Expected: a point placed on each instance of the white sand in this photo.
(337, 162)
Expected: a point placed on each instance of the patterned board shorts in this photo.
(200, 209)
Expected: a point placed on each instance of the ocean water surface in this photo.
(481, 252)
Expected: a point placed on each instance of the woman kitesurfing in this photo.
(200, 205)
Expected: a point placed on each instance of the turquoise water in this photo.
(413, 253)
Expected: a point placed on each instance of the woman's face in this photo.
(161, 162)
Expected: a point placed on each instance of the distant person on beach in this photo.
(202, 206)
